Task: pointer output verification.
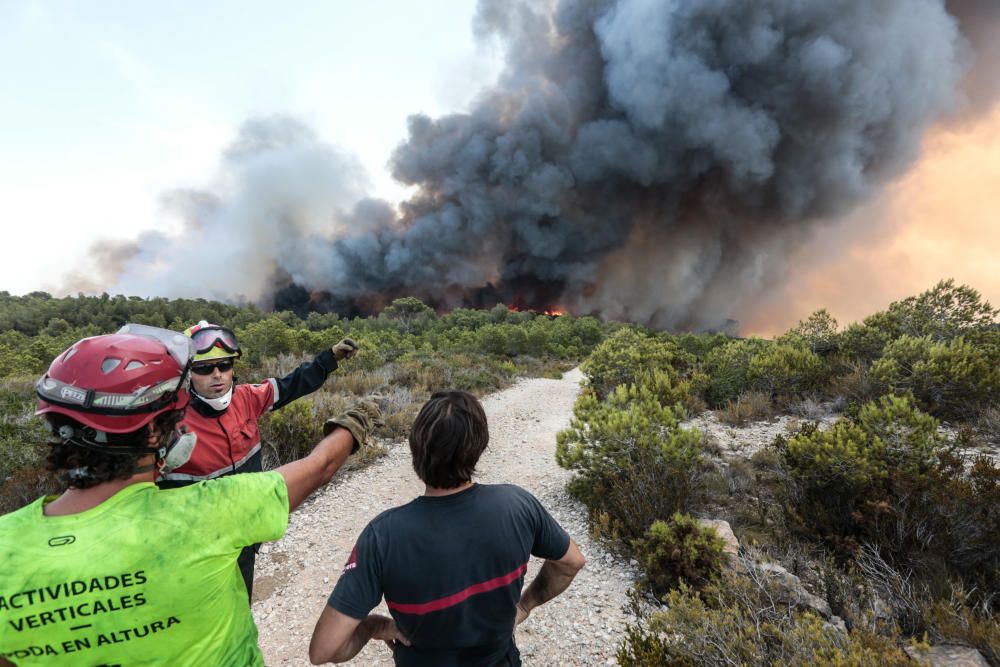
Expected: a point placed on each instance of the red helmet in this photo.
(118, 383)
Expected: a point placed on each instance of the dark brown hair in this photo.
(82, 468)
(447, 439)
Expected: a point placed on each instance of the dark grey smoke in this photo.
(651, 160)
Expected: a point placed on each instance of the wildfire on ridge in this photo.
(554, 311)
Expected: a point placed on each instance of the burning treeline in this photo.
(648, 161)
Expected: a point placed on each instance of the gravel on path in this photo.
(581, 627)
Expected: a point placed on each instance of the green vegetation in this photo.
(678, 550)
(633, 463)
(955, 378)
(888, 512)
(627, 353)
(739, 622)
(408, 351)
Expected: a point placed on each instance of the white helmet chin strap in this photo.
(220, 403)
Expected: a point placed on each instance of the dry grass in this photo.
(750, 406)
(694, 405)
(711, 446)
(25, 486)
(854, 385)
(988, 425)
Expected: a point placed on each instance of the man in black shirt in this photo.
(450, 563)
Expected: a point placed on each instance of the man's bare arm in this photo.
(338, 637)
(554, 577)
(307, 474)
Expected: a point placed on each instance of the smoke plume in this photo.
(647, 160)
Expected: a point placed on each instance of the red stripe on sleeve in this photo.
(456, 598)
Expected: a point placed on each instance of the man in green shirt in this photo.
(115, 571)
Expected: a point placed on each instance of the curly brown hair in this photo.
(81, 468)
(447, 439)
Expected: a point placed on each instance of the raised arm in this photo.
(345, 433)
(311, 375)
(307, 474)
(554, 577)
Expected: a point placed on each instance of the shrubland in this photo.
(891, 512)
(407, 352)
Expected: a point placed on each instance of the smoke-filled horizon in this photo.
(646, 161)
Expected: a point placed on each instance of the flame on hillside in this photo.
(554, 311)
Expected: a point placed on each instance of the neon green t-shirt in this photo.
(148, 577)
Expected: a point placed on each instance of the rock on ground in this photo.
(949, 655)
(296, 574)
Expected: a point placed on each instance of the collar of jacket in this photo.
(204, 409)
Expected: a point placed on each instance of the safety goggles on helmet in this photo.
(145, 399)
(207, 337)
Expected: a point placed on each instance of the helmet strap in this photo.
(98, 442)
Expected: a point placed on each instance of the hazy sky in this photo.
(108, 104)
(940, 220)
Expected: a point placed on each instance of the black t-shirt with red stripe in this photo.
(451, 570)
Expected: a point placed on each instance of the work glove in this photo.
(345, 349)
(361, 419)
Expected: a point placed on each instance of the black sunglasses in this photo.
(206, 369)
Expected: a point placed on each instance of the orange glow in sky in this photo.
(940, 220)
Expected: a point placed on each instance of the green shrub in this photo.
(739, 622)
(633, 464)
(409, 314)
(701, 344)
(942, 313)
(862, 343)
(643, 647)
(728, 367)
(908, 439)
(677, 550)
(665, 387)
(832, 471)
(628, 353)
(890, 480)
(785, 370)
(291, 432)
(21, 432)
(837, 470)
(952, 378)
(817, 333)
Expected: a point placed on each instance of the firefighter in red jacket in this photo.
(224, 415)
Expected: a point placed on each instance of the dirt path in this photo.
(296, 574)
